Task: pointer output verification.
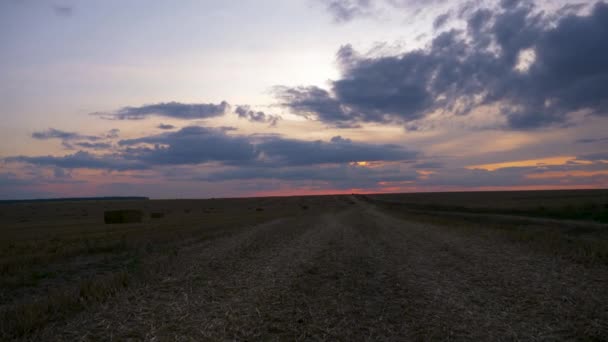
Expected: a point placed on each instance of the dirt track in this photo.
(358, 274)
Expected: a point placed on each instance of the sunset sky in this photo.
(198, 99)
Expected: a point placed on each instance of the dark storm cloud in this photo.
(198, 145)
(314, 101)
(567, 71)
(339, 175)
(165, 126)
(293, 174)
(441, 20)
(168, 109)
(570, 72)
(191, 145)
(52, 133)
(245, 112)
(80, 159)
(338, 150)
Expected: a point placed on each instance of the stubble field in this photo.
(517, 265)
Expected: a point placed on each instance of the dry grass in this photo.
(122, 216)
(28, 316)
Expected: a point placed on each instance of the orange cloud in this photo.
(550, 161)
(372, 164)
(424, 174)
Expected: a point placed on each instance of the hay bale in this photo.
(122, 216)
(157, 215)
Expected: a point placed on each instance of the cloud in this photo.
(347, 10)
(535, 68)
(339, 139)
(441, 20)
(594, 157)
(245, 112)
(74, 140)
(193, 145)
(94, 146)
(314, 101)
(592, 140)
(428, 165)
(206, 154)
(174, 110)
(297, 152)
(190, 145)
(52, 133)
(113, 133)
(61, 173)
(339, 176)
(415, 176)
(165, 126)
(549, 175)
(79, 160)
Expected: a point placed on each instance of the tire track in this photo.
(341, 294)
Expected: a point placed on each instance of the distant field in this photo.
(589, 205)
(398, 266)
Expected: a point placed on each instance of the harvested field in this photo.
(122, 216)
(588, 205)
(303, 268)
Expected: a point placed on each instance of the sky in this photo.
(200, 99)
